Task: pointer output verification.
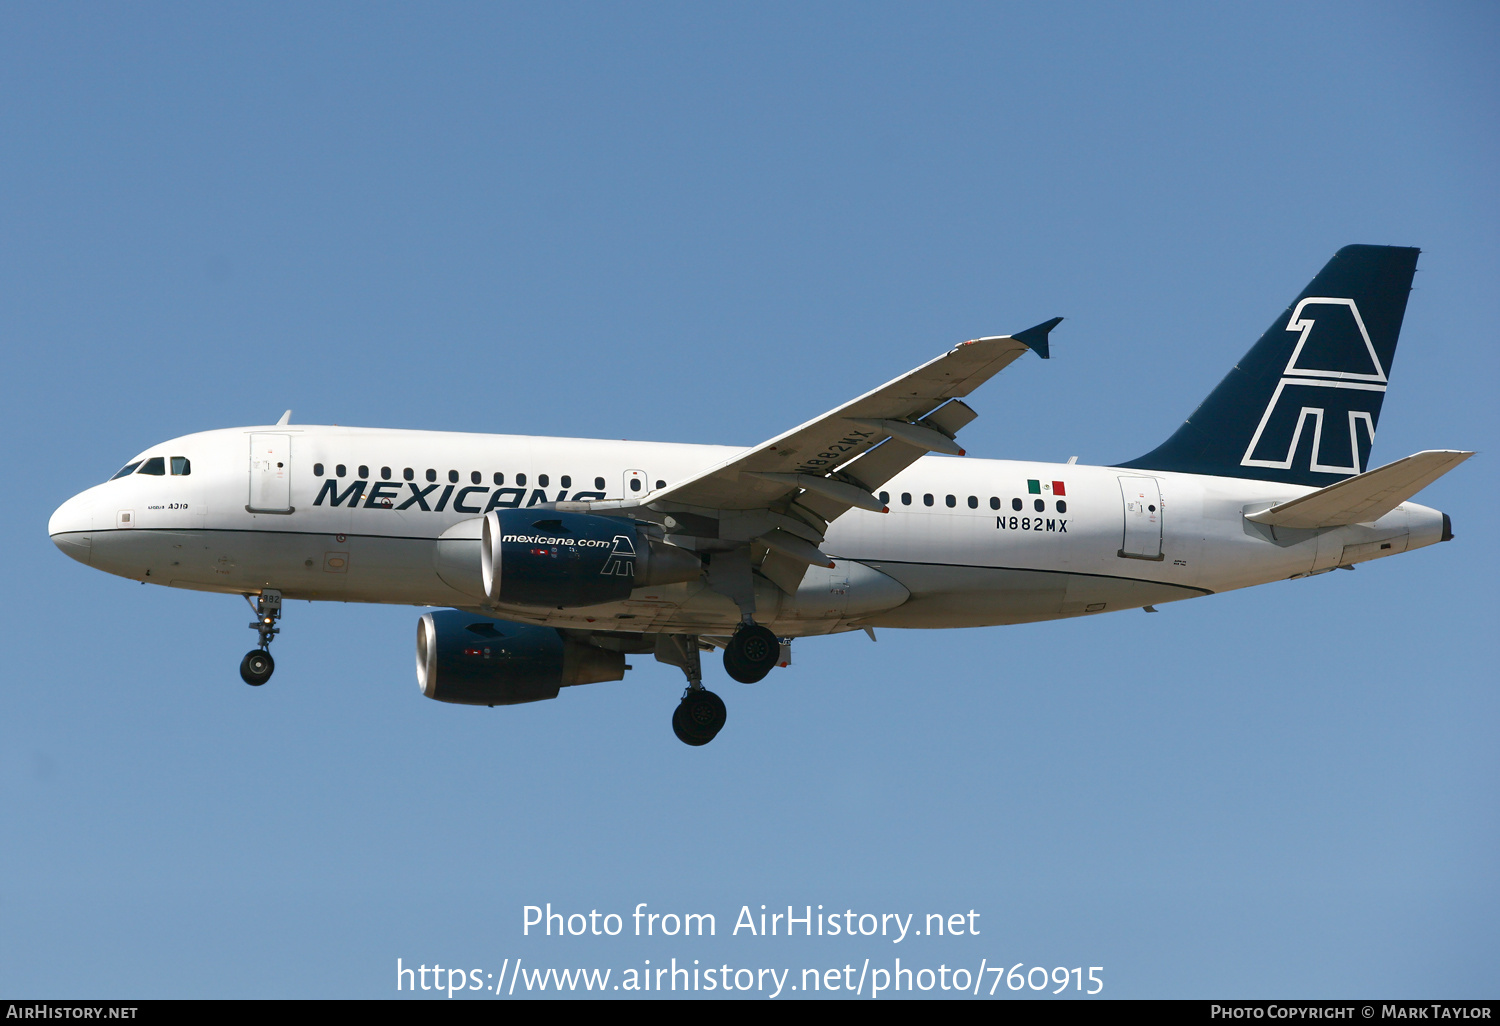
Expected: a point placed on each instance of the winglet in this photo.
(286, 418)
(1035, 338)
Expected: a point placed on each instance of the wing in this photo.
(783, 493)
(911, 413)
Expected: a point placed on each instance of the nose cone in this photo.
(72, 525)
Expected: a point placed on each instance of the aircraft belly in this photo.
(683, 608)
(1088, 595)
(693, 608)
(397, 571)
(301, 566)
(969, 596)
(1245, 553)
(964, 596)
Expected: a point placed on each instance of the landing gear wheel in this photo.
(751, 653)
(257, 666)
(699, 717)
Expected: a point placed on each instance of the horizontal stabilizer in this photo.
(1365, 497)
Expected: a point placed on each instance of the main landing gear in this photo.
(700, 715)
(748, 657)
(752, 653)
(257, 666)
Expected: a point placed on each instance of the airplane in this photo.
(553, 559)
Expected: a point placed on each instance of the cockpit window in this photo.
(155, 466)
(181, 466)
(126, 470)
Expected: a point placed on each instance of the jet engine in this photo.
(473, 660)
(559, 560)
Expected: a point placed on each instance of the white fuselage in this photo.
(977, 543)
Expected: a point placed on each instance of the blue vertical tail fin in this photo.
(1302, 406)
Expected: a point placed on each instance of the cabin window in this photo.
(1062, 507)
(661, 484)
(340, 470)
(364, 472)
(885, 498)
(1039, 505)
(453, 477)
(126, 470)
(994, 502)
(499, 478)
(906, 498)
(317, 469)
(635, 484)
(156, 466)
(599, 484)
(431, 475)
(927, 499)
(385, 473)
(542, 480)
(1015, 504)
(521, 480)
(181, 466)
(951, 501)
(408, 474)
(567, 482)
(475, 477)
(973, 502)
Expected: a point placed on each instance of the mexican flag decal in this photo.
(1035, 487)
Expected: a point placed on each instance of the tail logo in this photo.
(1333, 371)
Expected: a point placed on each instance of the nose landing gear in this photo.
(257, 666)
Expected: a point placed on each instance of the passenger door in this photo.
(1141, 498)
(270, 474)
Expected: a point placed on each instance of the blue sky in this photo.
(708, 223)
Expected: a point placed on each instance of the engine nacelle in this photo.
(549, 558)
(473, 660)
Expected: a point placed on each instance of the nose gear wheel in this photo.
(257, 666)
